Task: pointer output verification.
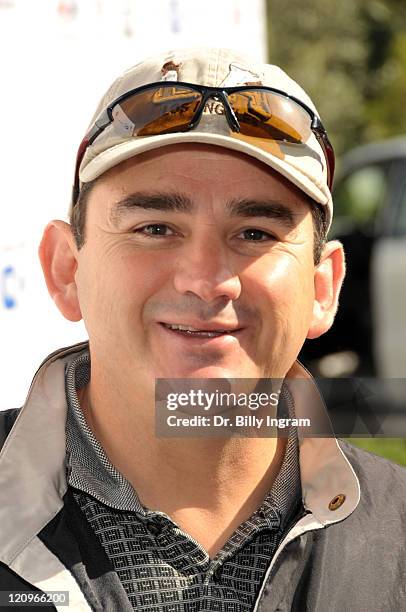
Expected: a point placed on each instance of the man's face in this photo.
(201, 237)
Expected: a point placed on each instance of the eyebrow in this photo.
(270, 209)
(178, 202)
(175, 202)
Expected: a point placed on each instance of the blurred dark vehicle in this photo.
(368, 337)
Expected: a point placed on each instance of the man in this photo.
(196, 250)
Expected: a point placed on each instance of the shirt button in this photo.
(153, 528)
(337, 502)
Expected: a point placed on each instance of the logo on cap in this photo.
(170, 71)
(239, 75)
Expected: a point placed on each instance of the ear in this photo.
(328, 279)
(58, 256)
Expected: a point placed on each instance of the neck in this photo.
(193, 480)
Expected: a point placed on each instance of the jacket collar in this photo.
(330, 487)
(33, 458)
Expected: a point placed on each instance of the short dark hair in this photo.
(77, 214)
(320, 229)
(78, 221)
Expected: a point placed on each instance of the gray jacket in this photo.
(346, 552)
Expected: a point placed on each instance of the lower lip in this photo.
(221, 340)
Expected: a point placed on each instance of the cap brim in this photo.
(125, 150)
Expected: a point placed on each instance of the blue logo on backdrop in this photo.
(7, 299)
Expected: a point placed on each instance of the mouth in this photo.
(193, 332)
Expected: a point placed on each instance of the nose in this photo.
(205, 270)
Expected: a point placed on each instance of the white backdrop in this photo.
(57, 58)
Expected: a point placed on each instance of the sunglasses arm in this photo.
(102, 121)
(321, 135)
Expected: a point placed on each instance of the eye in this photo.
(256, 235)
(154, 229)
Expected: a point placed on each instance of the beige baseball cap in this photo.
(305, 164)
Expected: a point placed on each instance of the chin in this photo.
(205, 372)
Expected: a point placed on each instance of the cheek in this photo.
(284, 288)
(114, 283)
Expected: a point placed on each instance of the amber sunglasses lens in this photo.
(264, 114)
(159, 110)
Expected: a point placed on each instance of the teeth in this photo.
(184, 327)
(193, 329)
